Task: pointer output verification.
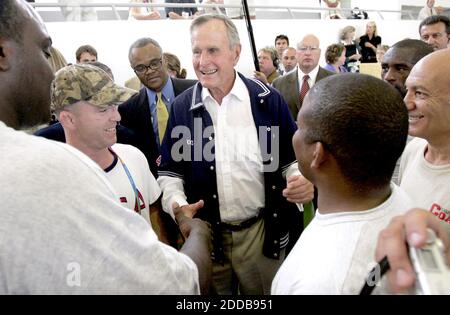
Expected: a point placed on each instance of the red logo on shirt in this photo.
(136, 207)
(441, 213)
(141, 205)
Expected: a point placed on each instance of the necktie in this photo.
(305, 88)
(163, 115)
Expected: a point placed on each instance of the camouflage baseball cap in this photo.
(84, 82)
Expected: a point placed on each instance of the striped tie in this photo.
(305, 88)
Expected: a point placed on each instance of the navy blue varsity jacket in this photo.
(283, 221)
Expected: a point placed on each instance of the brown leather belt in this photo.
(235, 227)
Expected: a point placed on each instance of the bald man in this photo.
(425, 165)
(289, 59)
(293, 84)
(424, 169)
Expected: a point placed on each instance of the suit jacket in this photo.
(136, 116)
(289, 87)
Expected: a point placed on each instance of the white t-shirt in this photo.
(63, 231)
(336, 251)
(148, 188)
(428, 185)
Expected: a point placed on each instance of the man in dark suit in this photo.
(294, 86)
(143, 113)
(146, 113)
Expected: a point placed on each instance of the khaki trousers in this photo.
(246, 270)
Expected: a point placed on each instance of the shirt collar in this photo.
(312, 74)
(239, 90)
(167, 93)
(114, 163)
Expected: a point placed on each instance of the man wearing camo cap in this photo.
(85, 100)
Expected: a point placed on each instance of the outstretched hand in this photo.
(184, 216)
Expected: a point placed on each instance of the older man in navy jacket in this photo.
(226, 157)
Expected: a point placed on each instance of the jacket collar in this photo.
(255, 87)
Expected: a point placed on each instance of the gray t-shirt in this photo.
(63, 232)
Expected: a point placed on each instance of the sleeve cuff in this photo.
(175, 199)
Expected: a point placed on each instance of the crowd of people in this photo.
(281, 183)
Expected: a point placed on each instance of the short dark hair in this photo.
(281, 36)
(434, 19)
(363, 122)
(85, 48)
(11, 21)
(142, 42)
(417, 49)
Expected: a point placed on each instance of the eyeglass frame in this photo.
(154, 64)
(310, 48)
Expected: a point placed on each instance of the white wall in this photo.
(113, 38)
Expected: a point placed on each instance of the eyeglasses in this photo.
(155, 64)
(310, 48)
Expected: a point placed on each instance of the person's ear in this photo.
(67, 119)
(238, 49)
(6, 54)
(320, 155)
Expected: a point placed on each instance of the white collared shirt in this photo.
(239, 167)
(312, 77)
